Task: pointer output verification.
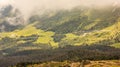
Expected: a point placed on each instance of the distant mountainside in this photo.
(56, 29)
(79, 19)
(76, 34)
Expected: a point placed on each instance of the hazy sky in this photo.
(28, 6)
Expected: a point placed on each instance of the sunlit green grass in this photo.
(116, 45)
(87, 38)
(44, 37)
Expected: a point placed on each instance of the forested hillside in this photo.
(60, 35)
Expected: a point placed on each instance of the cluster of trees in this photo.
(71, 53)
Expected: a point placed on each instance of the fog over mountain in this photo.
(28, 7)
(43, 31)
(10, 16)
(17, 12)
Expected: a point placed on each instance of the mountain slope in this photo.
(54, 29)
(79, 19)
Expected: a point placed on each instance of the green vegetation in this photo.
(61, 28)
(117, 45)
(27, 35)
(69, 53)
(76, 34)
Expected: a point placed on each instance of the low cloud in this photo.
(27, 7)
